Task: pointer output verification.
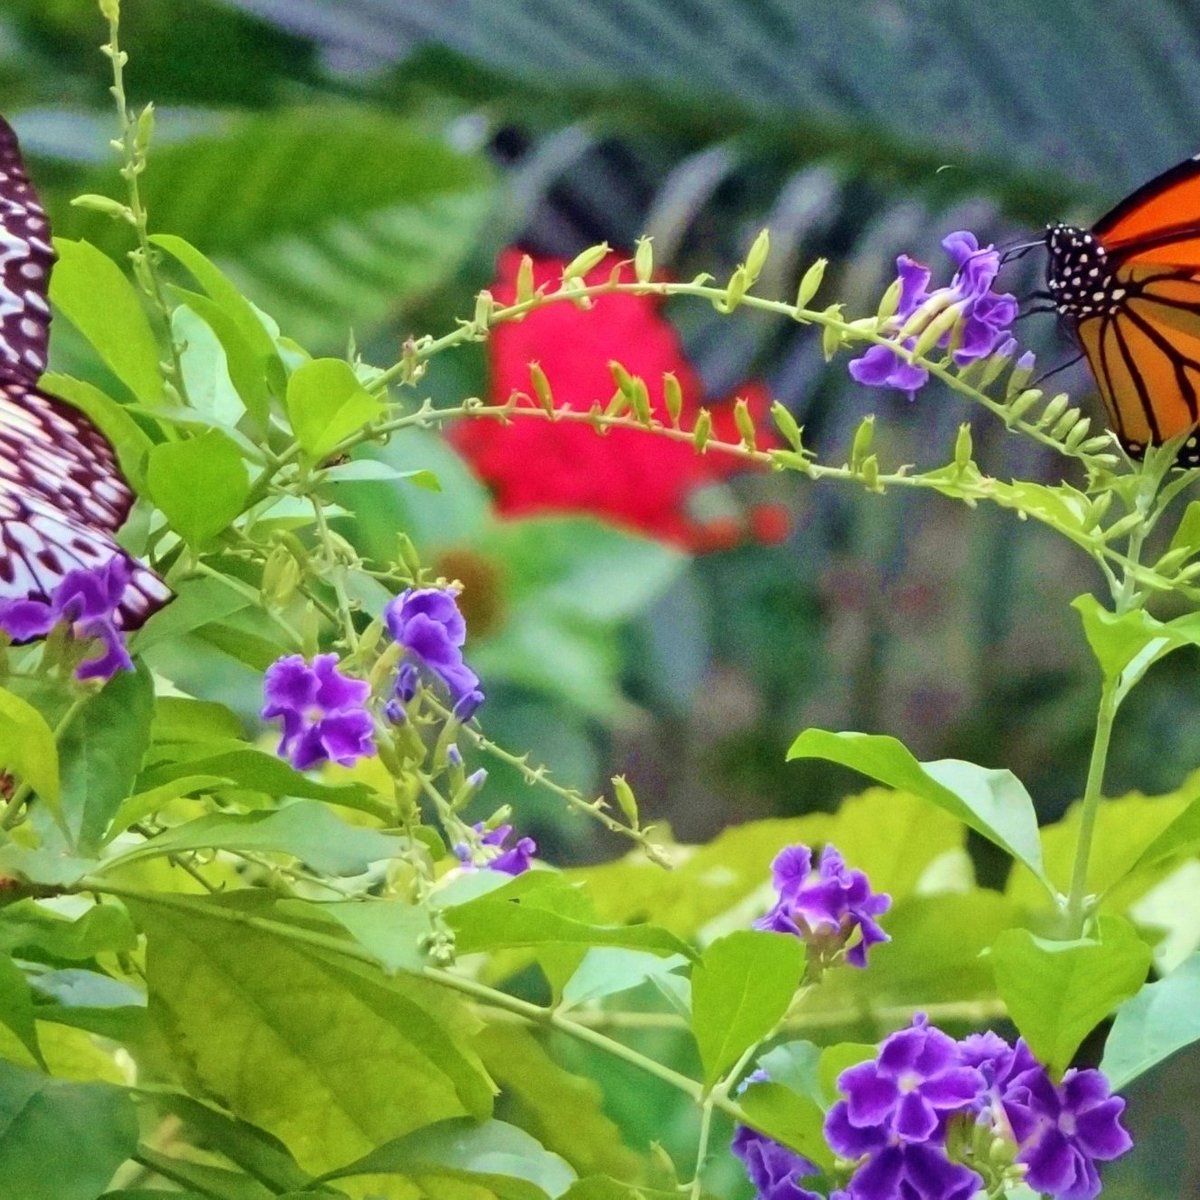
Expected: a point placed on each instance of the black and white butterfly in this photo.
(62, 494)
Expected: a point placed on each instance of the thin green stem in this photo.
(336, 573)
(132, 144)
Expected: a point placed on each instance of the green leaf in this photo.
(197, 602)
(602, 1187)
(1126, 646)
(27, 925)
(326, 403)
(16, 1007)
(330, 1059)
(459, 1149)
(565, 1112)
(214, 1182)
(1162, 1018)
(993, 803)
(256, 1152)
(89, 289)
(205, 365)
(392, 931)
(200, 484)
(143, 804)
(27, 747)
(491, 924)
(607, 970)
(741, 987)
(185, 719)
(1181, 836)
(101, 753)
(259, 772)
(128, 438)
(1058, 992)
(1187, 532)
(304, 829)
(788, 1117)
(60, 1140)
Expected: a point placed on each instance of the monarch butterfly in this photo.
(1130, 288)
(62, 496)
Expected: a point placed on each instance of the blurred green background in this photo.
(358, 164)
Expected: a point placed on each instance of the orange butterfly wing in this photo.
(1159, 223)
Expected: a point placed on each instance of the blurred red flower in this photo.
(628, 477)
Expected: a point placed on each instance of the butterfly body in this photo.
(1130, 290)
(62, 494)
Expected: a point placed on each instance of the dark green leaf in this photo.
(218, 1183)
(28, 926)
(88, 288)
(1058, 992)
(60, 1140)
(101, 754)
(197, 602)
(993, 803)
(16, 1007)
(741, 987)
(200, 484)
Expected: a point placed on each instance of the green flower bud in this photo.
(810, 282)
(672, 397)
(786, 424)
(757, 258)
(583, 262)
(104, 204)
(745, 424)
(643, 260)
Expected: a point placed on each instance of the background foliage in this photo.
(358, 165)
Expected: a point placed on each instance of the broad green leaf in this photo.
(371, 470)
(51, 867)
(565, 1112)
(200, 484)
(603, 1187)
(788, 1117)
(1181, 836)
(490, 924)
(16, 1007)
(304, 829)
(27, 747)
(1058, 992)
(1187, 532)
(741, 987)
(258, 772)
(993, 803)
(326, 403)
(607, 970)
(197, 602)
(185, 719)
(101, 753)
(460, 1149)
(90, 290)
(392, 931)
(27, 925)
(331, 1060)
(1163, 1017)
(60, 1140)
(205, 365)
(142, 804)
(128, 438)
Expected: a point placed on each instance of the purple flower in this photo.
(774, 1170)
(827, 908)
(427, 623)
(913, 1172)
(88, 600)
(984, 315)
(516, 860)
(1064, 1131)
(324, 718)
(906, 1094)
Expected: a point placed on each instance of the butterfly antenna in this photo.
(1012, 253)
(1055, 370)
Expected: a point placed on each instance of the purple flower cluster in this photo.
(88, 600)
(428, 624)
(825, 907)
(324, 712)
(516, 860)
(984, 316)
(900, 1106)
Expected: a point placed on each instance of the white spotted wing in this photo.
(62, 495)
